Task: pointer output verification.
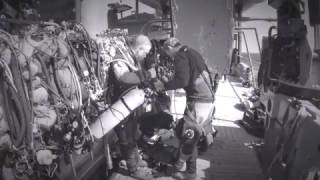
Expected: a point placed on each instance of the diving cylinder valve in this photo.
(117, 112)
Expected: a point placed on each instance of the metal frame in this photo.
(256, 34)
(249, 56)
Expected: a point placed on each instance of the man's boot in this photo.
(140, 162)
(185, 175)
(142, 173)
(136, 166)
(178, 165)
(189, 174)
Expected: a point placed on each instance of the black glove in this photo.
(159, 86)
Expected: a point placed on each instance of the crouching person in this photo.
(191, 74)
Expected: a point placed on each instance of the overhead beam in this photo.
(152, 3)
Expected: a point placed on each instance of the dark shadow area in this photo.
(251, 125)
(240, 107)
(229, 158)
(50, 10)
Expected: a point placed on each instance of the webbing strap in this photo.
(125, 104)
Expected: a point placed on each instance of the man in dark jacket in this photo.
(191, 74)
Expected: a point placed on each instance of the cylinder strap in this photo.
(125, 104)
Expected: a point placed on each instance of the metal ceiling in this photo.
(246, 4)
(156, 4)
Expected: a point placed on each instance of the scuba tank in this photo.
(117, 112)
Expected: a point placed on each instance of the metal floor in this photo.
(231, 157)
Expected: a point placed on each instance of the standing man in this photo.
(125, 75)
(191, 74)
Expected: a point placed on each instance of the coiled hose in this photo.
(75, 81)
(23, 100)
(14, 112)
(18, 108)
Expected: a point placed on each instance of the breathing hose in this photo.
(20, 100)
(98, 63)
(14, 112)
(54, 70)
